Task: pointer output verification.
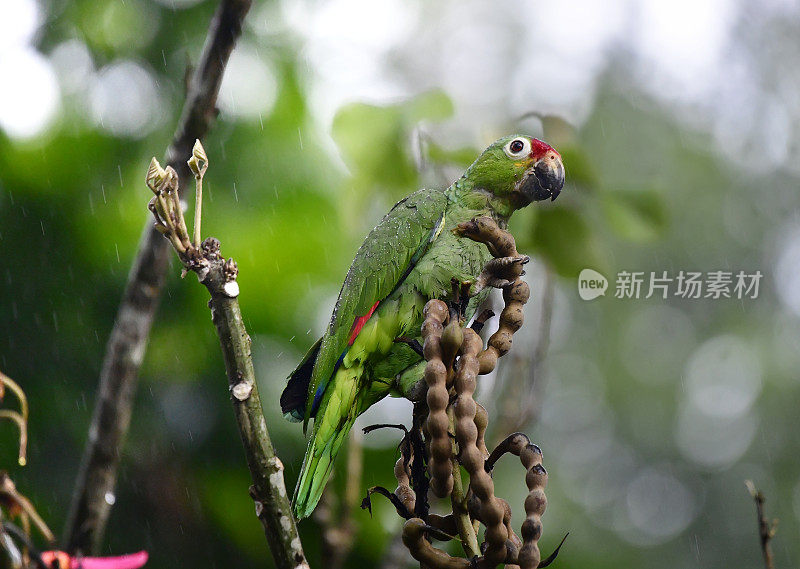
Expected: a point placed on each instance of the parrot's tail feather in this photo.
(317, 469)
(335, 418)
(293, 398)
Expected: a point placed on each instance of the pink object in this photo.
(130, 561)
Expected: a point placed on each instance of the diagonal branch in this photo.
(218, 275)
(766, 530)
(94, 487)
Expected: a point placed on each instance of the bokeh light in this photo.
(714, 442)
(249, 87)
(27, 109)
(124, 99)
(659, 506)
(29, 99)
(723, 377)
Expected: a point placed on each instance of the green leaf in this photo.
(374, 141)
(433, 105)
(566, 242)
(578, 167)
(374, 145)
(462, 156)
(636, 216)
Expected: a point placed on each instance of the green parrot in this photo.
(410, 257)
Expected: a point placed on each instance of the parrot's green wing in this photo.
(385, 258)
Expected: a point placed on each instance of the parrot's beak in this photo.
(544, 180)
(549, 172)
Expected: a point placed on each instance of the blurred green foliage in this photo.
(644, 193)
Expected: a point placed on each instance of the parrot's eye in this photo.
(518, 147)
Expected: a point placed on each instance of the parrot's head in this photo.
(517, 170)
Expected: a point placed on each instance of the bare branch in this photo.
(219, 277)
(125, 349)
(766, 530)
(269, 490)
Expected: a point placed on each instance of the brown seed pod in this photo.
(504, 271)
(513, 538)
(530, 456)
(471, 457)
(513, 543)
(403, 476)
(440, 464)
(481, 422)
(452, 338)
(511, 318)
(455, 358)
(485, 230)
(446, 524)
(421, 549)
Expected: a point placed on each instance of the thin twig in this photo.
(766, 530)
(15, 417)
(126, 346)
(7, 382)
(10, 494)
(20, 418)
(198, 164)
(9, 530)
(218, 275)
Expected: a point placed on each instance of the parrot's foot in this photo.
(412, 343)
(500, 272)
(462, 292)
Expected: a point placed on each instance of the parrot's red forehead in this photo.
(539, 149)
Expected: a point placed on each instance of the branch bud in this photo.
(198, 163)
(155, 175)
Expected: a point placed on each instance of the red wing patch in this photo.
(359, 324)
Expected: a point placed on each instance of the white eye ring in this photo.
(526, 148)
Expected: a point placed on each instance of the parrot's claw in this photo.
(462, 292)
(501, 272)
